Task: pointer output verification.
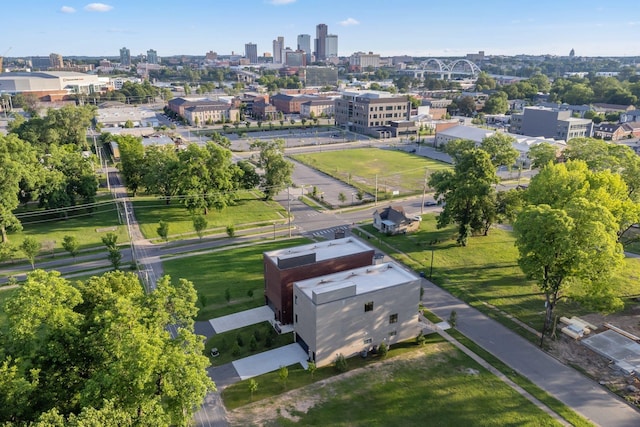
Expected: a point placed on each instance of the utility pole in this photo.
(376, 193)
(424, 191)
(289, 208)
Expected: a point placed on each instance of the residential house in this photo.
(393, 220)
(356, 310)
(610, 131)
(285, 266)
(633, 128)
(612, 108)
(630, 116)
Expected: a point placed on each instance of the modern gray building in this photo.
(152, 56)
(40, 62)
(251, 52)
(355, 310)
(278, 48)
(371, 112)
(320, 76)
(304, 43)
(125, 57)
(331, 43)
(320, 42)
(550, 123)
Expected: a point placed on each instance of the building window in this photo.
(296, 318)
(295, 298)
(393, 318)
(393, 333)
(368, 306)
(368, 340)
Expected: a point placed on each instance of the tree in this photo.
(542, 154)
(253, 387)
(541, 82)
(231, 230)
(383, 349)
(559, 247)
(248, 177)
(283, 374)
(57, 333)
(30, 247)
(497, 103)
(277, 170)
(114, 257)
(311, 368)
(131, 161)
(128, 124)
(160, 171)
(341, 197)
(485, 82)
(466, 106)
(500, 149)
(227, 297)
(110, 240)
(199, 225)
(71, 245)
(163, 230)
(468, 193)
(7, 251)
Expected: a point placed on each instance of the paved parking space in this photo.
(271, 360)
(241, 319)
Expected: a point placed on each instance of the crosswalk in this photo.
(330, 232)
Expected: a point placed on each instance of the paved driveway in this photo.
(241, 319)
(271, 360)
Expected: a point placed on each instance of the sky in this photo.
(428, 28)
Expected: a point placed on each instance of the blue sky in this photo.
(418, 27)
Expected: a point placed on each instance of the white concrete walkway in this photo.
(241, 319)
(271, 360)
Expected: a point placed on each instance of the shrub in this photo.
(383, 349)
(340, 363)
(257, 334)
(453, 318)
(235, 351)
(253, 344)
(269, 341)
(239, 340)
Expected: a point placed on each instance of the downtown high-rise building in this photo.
(152, 56)
(304, 44)
(56, 61)
(331, 46)
(278, 48)
(251, 52)
(320, 42)
(125, 57)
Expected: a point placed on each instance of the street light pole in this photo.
(289, 208)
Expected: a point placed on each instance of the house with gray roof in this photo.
(393, 220)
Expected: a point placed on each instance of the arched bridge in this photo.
(446, 69)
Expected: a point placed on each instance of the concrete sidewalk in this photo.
(566, 384)
(241, 319)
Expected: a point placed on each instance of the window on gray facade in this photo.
(393, 333)
(393, 318)
(368, 340)
(368, 306)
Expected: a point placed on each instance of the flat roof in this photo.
(323, 250)
(365, 279)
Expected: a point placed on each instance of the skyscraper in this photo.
(278, 47)
(304, 43)
(251, 52)
(152, 56)
(125, 57)
(56, 60)
(331, 46)
(320, 44)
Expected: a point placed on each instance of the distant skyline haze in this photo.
(400, 27)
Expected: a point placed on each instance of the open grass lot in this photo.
(265, 336)
(433, 385)
(237, 269)
(87, 227)
(396, 170)
(248, 209)
(485, 274)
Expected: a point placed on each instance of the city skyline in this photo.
(388, 28)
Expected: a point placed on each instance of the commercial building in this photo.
(371, 112)
(51, 85)
(152, 57)
(289, 104)
(304, 44)
(56, 61)
(203, 110)
(331, 46)
(360, 61)
(295, 59)
(278, 48)
(116, 115)
(356, 310)
(321, 107)
(550, 123)
(285, 266)
(41, 63)
(251, 52)
(320, 42)
(125, 57)
(319, 76)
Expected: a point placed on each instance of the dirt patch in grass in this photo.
(573, 353)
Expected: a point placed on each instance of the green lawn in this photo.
(436, 386)
(87, 227)
(249, 208)
(396, 170)
(486, 273)
(237, 269)
(265, 336)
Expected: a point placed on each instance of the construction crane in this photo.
(2, 57)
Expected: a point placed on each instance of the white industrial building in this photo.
(54, 85)
(355, 310)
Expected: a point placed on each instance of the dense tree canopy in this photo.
(277, 169)
(100, 350)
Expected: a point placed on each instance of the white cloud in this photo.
(98, 7)
(280, 2)
(67, 9)
(348, 22)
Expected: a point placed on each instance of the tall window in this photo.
(368, 306)
(393, 318)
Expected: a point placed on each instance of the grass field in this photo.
(238, 269)
(249, 208)
(434, 385)
(396, 170)
(87, 227)
(485, 274)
